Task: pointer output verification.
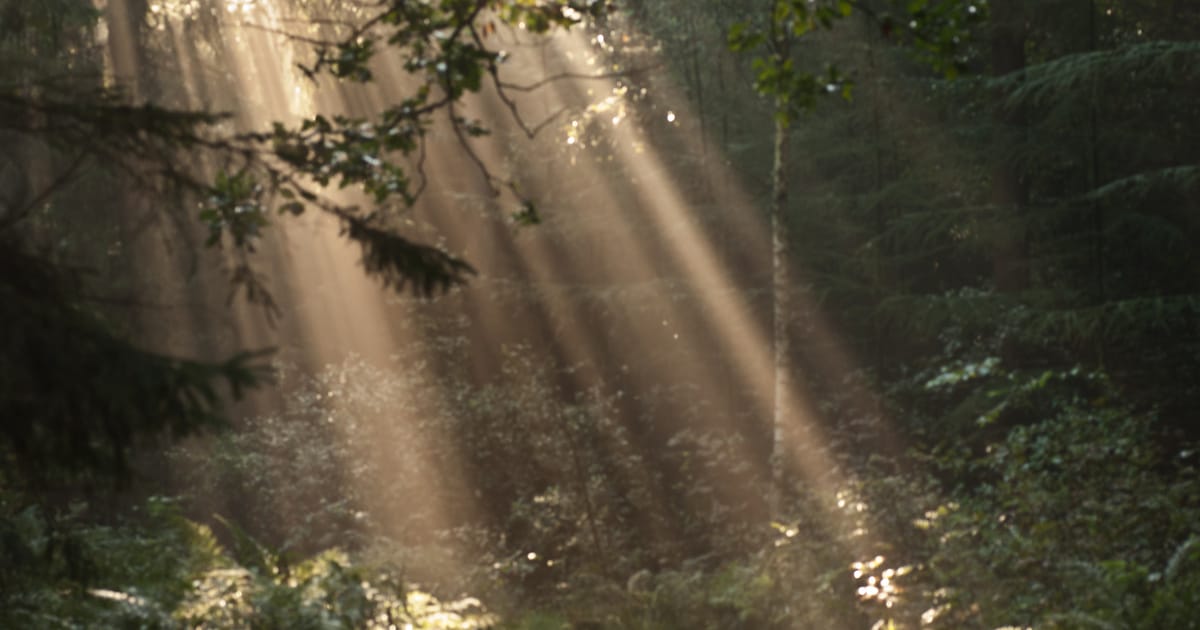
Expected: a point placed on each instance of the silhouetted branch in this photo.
(17, 216)
(400, 263)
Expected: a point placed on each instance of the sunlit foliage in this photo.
(168, 572)
(1004, 259)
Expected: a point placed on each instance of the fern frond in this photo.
(1147, 63)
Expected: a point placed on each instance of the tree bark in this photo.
(781, 313)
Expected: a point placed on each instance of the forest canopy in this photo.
(579, 314)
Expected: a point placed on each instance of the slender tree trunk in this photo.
(124, 19)
(781, 291)
(1093, 158)
(875, 83)
(698, 91)
(1010, 257)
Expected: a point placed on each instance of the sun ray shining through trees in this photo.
(577, 314)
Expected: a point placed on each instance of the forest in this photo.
(598, 314)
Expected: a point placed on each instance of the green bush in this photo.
(1067, 522)
(169, 572)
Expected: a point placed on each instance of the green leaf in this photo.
(295, 208)
(741, 40)
(527, 215)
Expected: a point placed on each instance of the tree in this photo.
(76, 392)
(1081, 291)
(935, 28)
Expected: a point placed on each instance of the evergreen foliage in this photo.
(75, 394)
(1005, 255)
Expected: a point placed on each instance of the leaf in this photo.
(527, 216)
(295, 208)
(740, 40)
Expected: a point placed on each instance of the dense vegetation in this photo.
(994, 311)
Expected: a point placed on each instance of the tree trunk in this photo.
(1010, 256)
(781, 292)
(1093, 159)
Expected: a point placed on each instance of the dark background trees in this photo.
(998, 329)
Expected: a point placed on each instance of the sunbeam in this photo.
(334, 312)
(549, 314)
